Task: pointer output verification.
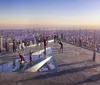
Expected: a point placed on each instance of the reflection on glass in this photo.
(14, 65)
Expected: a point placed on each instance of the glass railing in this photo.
(13, 65)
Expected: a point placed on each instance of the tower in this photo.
(1, 43)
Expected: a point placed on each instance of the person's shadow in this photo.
(14, 64)
(63, 72)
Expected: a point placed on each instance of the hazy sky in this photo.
(49, 12)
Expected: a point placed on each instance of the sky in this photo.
(54, 13)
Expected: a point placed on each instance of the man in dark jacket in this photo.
(45, 44)
(61, 46)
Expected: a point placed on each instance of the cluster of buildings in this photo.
(13, 40)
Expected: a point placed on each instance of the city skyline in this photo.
(49, 13)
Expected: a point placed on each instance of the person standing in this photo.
(55, 37)
(30, 54)
(21, 58)
(44, 40)
(47, 38)
(80, 42)
(19, 44)
(23, 45)
(61, 46)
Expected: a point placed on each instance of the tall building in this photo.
(1, 43)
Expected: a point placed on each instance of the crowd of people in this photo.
(89, 41)
(14, 44)
(22, 60)
(17, 45)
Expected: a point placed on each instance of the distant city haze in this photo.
(49, 13)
